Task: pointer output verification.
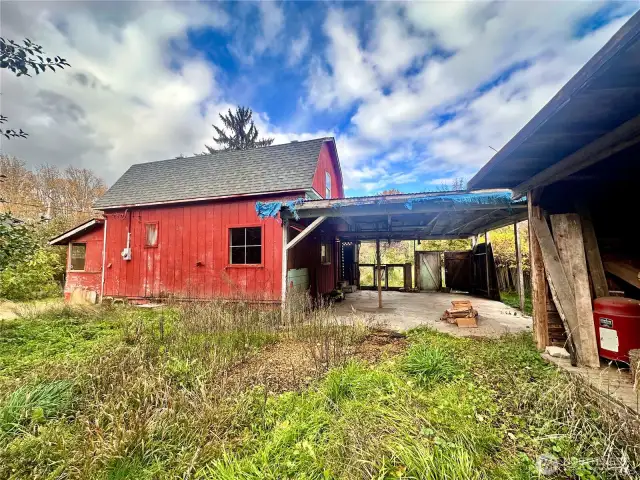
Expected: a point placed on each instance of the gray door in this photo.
(429, 271)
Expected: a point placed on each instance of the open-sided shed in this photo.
(577, 163)
(415, 216)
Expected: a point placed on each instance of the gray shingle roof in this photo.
(268, 169)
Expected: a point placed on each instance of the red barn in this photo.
(189, 228)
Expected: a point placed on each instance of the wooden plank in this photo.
(519, 273)
(558, 282)
(594, 260)
(567, 233)
(624, 136)
(624, 271)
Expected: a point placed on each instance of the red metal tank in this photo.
(617, 322)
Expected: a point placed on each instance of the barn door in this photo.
(457, 270)
(428, 271)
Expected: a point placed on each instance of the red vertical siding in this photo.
(192, 256)
(91, 277)
(327, 162)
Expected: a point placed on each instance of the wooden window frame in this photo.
(329, 252)
(84, 265)
(262, 246)
(327, 187)
(157, 224)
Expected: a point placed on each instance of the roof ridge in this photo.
(233, 151)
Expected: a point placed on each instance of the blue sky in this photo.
(416, 94)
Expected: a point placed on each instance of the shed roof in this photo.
(426, 216)
(601, 97)
(277, 168)
(75, 232)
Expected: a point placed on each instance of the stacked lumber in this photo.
(461, 313)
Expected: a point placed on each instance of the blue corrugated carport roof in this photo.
(603, 95)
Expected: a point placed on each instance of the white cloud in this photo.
(388, 72)
(350, 77)
(394, 48)
(272, 22)
(424, 59)
(299, 47)
(124, 99)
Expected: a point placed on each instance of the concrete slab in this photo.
(403, 311)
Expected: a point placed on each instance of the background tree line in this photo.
(36, 205)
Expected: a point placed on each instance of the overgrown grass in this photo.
(512, 299)
(53, 335)
(491, 411)
(156, 404)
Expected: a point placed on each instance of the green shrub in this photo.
(31, 279)
(430, 364)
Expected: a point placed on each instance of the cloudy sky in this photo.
(416, 94)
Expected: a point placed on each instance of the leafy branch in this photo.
(10, 132)
(18, 58)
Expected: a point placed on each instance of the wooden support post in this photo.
(408, 283)
(379, 273)
(559, 284)
(519, 273)
(567, 233)
(594, 260)
(486, 263)
(538, 282)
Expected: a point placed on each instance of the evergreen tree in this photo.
(239, 132)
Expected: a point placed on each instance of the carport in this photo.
(414, 216)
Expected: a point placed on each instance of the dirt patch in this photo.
(380, 344)
(288, 364)
(282, 367)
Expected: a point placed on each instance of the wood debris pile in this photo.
(461, 313)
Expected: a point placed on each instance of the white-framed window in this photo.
(78, 256)
(151, 234)
(327, 185)
(245, 246)
(325, 253)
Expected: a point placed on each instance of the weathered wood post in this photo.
(519, 272)
(538, 281)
